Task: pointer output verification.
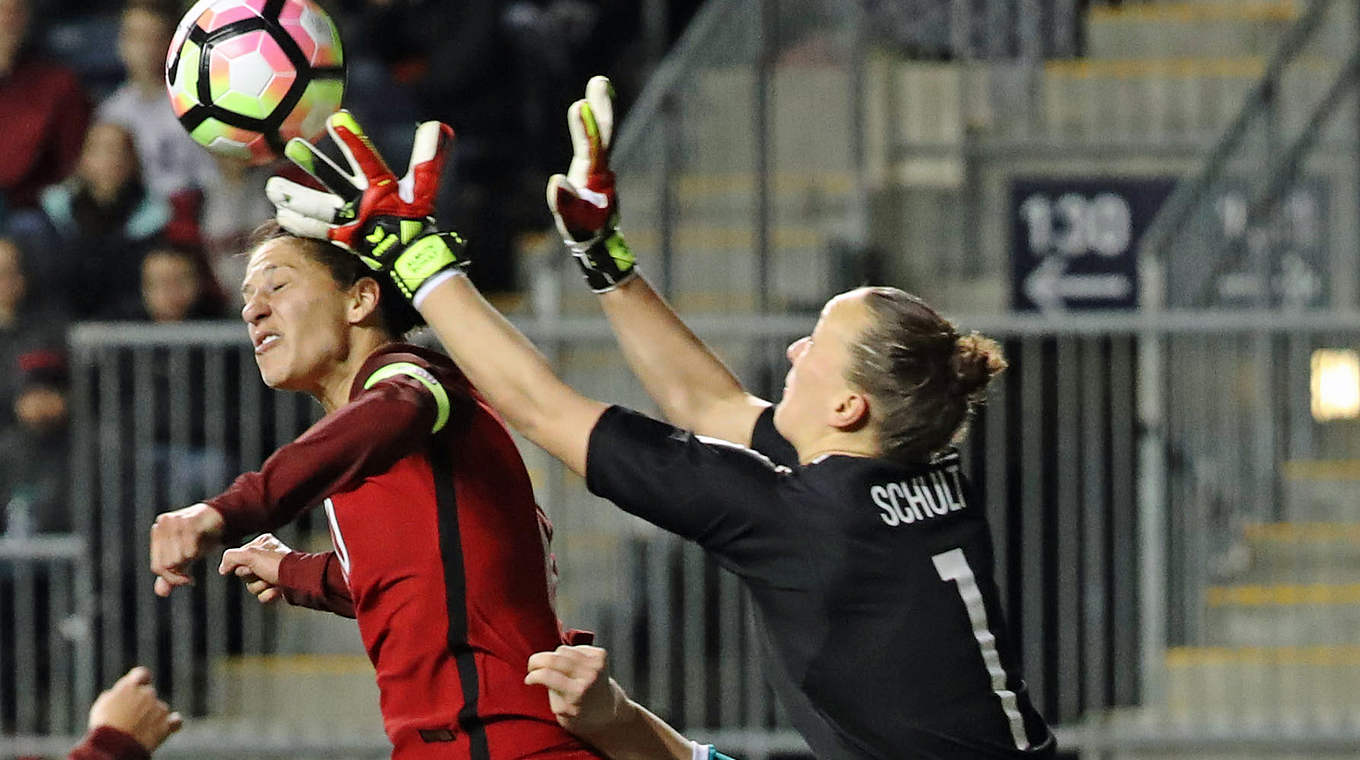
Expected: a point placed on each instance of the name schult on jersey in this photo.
(932, 494)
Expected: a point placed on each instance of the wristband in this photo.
(606, 261)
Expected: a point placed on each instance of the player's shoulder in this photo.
(629, 432)
(404, 360)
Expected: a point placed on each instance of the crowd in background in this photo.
(109, 211)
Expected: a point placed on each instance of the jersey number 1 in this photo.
(953, 566)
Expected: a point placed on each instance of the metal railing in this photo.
(1245, 228)
(1136, 543)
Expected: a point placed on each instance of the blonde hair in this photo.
(924, 379)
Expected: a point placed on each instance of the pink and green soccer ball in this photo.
(245, 76)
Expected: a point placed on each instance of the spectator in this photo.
(33, 450)
(44, 111)
(24, 325)
(171, 161)
(99, 222)
(176, 286)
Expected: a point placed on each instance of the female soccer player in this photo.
(439, 551)
(847, 518)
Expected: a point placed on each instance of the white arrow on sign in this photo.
(1049, 286)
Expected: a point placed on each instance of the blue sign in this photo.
(1074, 242)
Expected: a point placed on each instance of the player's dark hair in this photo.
(923, 378)
(397, 315)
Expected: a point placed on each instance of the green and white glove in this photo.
(583, 201)
(388, 223)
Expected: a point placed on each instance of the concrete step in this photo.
(1302, 553)
(1326, 491)
(1171, 98)
(810, 115)
(1282, 686)
(1283, 614)
(334, 691)
(1223, 28)
(1154, 733)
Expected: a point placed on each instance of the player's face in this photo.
(816, 382)
(298, 316)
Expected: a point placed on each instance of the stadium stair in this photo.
(1282, 635)
(317, 682)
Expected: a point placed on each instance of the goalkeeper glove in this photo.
(583, 201)
(386, 222)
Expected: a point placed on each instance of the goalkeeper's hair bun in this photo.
(976, 359)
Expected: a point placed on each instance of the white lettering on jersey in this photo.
(934, 494)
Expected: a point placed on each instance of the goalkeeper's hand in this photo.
(583, 201)
(386, 222)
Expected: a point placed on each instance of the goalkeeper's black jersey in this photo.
(872, 583)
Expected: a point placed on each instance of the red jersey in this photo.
(108, 743)
(438, 540)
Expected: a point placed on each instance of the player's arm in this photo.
(386, 222)
(694, 389)
(272, 571)
(510, 373)
(366, 436)
(127, 721)
(591, 705)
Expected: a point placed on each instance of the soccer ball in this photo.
(245, 76)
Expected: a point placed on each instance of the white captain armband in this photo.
(441, 396)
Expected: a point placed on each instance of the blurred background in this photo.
(1152, 203)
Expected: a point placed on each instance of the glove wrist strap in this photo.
(426, 257)
(606, 261)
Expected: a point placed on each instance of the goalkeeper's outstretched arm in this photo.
(694, 389)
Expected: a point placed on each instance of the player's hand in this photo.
(178, 538)
(131, 706)
(583, 201)
(580, 692)
(388, 223)
(257, 564)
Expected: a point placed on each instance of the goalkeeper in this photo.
(848, 518)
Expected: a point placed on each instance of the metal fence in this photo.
(1172, 555)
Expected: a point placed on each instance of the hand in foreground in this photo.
(178, 538)
(583, 201)
(580, 692)
(386, 222)
(257, 564)
(131, 706)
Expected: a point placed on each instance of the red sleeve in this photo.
(315, 581)
(105, 743)
(362, 438)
